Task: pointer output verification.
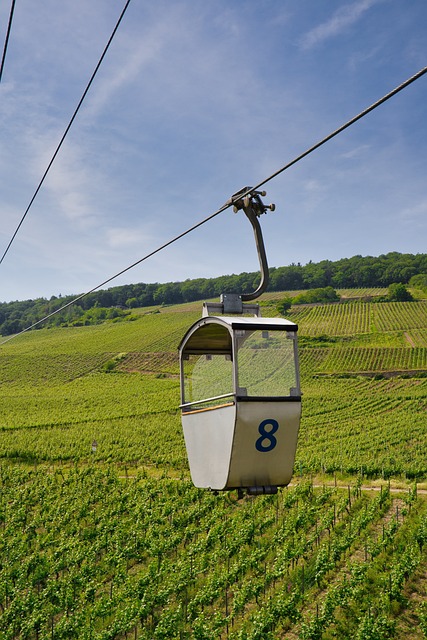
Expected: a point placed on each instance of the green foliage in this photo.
(397, 292)
(375, 627)
(419, 282)
(132, 303)
(316, 341)
(325, 294)
(97, 315)
(422, 616)
(111, 365)
(284, 305)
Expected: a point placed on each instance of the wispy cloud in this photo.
(125, 237)
(134, 56)
(70, 188)
(356, 152)
(343, 18)
(418, 212)
(313, 186)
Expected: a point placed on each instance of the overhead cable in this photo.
(362, 114)
(6, 42)
(66, 130)
(149, 255)
(229, 202)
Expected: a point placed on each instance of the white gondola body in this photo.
(222, 449)
(240, 438)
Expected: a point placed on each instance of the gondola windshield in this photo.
(249, 363)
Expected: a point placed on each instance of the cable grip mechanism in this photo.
(250, 201)
(247, 199)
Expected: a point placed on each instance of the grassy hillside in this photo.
(117, 543)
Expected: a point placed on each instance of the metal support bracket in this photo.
(230, 303)
(250, 201)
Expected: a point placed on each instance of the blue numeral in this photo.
(267, 435)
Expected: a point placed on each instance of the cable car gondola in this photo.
(240, 387)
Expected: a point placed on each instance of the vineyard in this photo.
(103, 536)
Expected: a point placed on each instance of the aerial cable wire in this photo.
(6, 42)
(362, 114)
(149, 255)
(229, 203)
(67, 129)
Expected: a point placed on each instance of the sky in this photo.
(193, 101)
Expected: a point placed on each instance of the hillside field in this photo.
(116, 543)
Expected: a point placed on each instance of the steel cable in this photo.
(6, 42)
(340, 129)
(66, 130)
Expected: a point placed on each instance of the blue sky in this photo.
(195, 100)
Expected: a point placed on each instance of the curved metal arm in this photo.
(253, 207)
(259, 241)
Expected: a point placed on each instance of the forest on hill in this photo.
(355, 272)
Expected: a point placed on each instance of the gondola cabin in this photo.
(240, 402)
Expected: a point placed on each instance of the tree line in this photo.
(347, 273)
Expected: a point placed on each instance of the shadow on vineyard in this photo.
(104, 537)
